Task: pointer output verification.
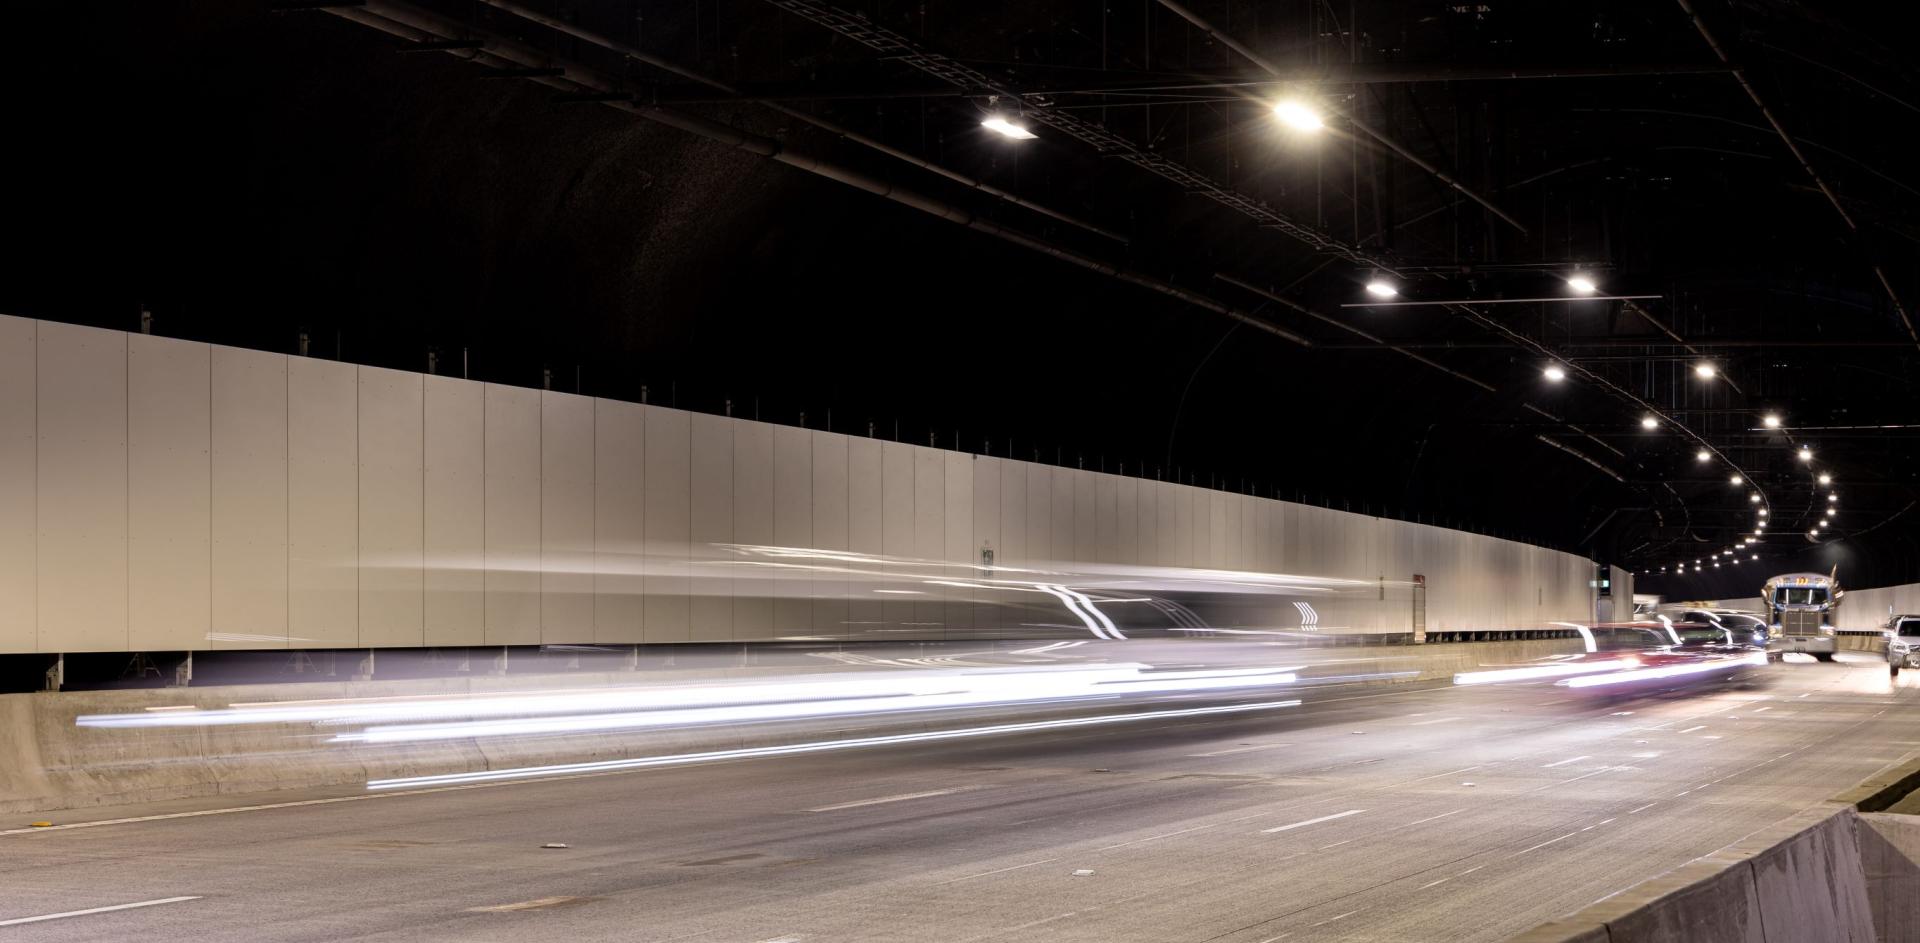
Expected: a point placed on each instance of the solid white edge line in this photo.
(16, 921)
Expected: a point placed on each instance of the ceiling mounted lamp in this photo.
(1754, 498)
(1298, 116)
(1703, 456)
(1008, 129)
(1831, 512)
(1825, 479)
(1584, 284)
(1705, 371)
(1554, 373)
(1756, 556)
(1735, 480)
(1814, 532)
(1771, 420)
(1649, 422)
(1833, 499)
(1806, 453)
(1381, 288)
(1763, 513)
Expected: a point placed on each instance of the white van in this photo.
(1903, 643)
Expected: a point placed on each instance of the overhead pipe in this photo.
(640, 55)
(409, 22)
(1336, 322)
(1740, 75)
(1368, 130)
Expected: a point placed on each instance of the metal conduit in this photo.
(411, 23)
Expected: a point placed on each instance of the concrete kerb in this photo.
(47, 762)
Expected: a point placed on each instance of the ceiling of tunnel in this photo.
(665, 199)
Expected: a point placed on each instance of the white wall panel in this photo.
(929, 537)
(896, 526)
(986, 506)
(169, 493)
(19, 488)
(1040, 513)
(866, 530)
(249, 499)
(82, 456)
(753, 525)
(1126, 543)
(710, 612)
(619, 520)
(323, 504)
(392, 435)
(832, 523)
(566, 518)
(960, 546)
(793, 526)
(1060, 537)
(513, 515)
(1015, 549)
(669, 523)
(1106, 517)
(455, 511)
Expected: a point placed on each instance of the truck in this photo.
(1800, 611)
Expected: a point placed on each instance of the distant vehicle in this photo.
(1743, 628)
(1903, 643)
(1800, 612)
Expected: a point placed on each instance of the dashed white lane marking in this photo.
(1258, 746)
(1543, 844)
(1759, 709)
(1324, 818)
(1566, 761)
(1015, 867)
(1436, 720)
(1432, 817)
(538, 903)
(1644, 808)
(899, 798)
(1433, 884)
(1694, 728)
(94, 910)
(1341, 917)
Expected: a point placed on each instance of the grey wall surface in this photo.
(158, 494)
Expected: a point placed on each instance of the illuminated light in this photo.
(1538, 672)
(1005, 128)
(1763, 513)
(1696, 569)
(1582, 284)
(1380, 289)
(1666, 671)
(1704, 371)
(682, 759)
(1298, 116)
(1806, 454)
(1753, 498)
(1703, 456)
(1756, 556)
(1833, 499)
(1735, 479)
(1770, 420)
(1825, 479)
(1716, 566)
(1814, 533)
(1649, 422)
(1554, 373)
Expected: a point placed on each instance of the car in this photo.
(1742, 627)
(1903, 643)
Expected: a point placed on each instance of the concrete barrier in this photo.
(48, 762)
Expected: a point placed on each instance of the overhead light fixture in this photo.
(1716, 566)
(1814, 532)
(1297, 116)
(1825, 479)
(1756, 556)
(1754, 498)
(1704, 371)
(1831, 512)
(1770, 420)
(1806, 454)
(1696, 569)
(1582, 284)
(1648, 422)
(1763, 513)
(1703, 456)
(1005, 128)
(1833, 499)
(1381, 289)
(1554, 373)
(1732, 479)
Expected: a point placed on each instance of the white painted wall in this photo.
(158, 494)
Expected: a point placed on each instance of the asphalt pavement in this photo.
(1366, 813)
